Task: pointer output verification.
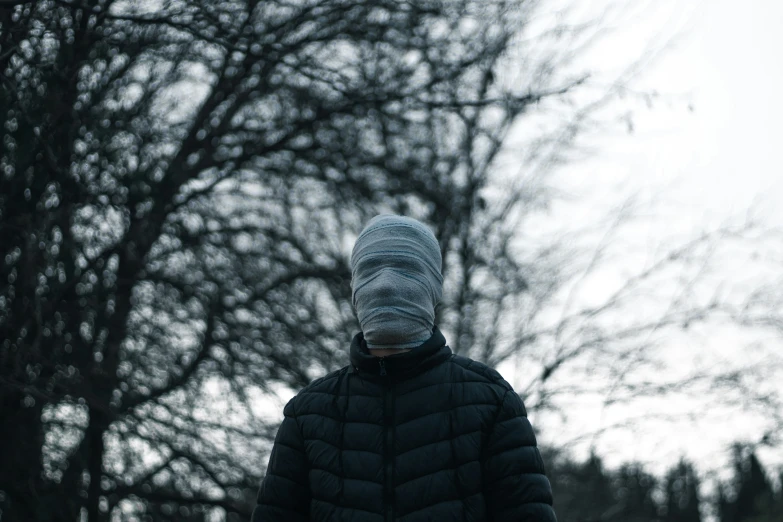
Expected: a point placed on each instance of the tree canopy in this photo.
(178, 183)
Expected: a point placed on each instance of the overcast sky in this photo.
(727, 152)
(708, 149)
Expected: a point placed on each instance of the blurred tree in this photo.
(753, 499)
(588, 492)
(771, 509)
(627, 494)
(634, 495)
(722, 504)
(682, 494)
(584, 490)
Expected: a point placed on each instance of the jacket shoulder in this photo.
(319, 385)
(481, 371)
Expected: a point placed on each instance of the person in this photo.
(409, 431)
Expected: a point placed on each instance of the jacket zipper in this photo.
(388, 457)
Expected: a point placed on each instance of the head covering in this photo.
(396, 281)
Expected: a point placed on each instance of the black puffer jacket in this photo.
(424, 435)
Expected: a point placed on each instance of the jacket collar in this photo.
(423, 357)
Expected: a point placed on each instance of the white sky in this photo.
(727, 151)
(716, 161)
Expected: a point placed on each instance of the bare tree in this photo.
(178, 180)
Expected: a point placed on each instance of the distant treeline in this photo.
(589, 492)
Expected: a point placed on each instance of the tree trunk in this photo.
(95, 447)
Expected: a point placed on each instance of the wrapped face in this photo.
(396, 281)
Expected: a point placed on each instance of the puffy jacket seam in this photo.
(439, 383)
(324, 392)
(516, 447)
(500, 409)
(337, 475)
(516, 474)
(320, 414)
(296, 417)
(324, 501)
(444, 411)
(300, 433)
(504, 421)
(284, 445)
(283, 477)
(279, 506)
(450, 383)
(485, 445)
(454, 459)
(449, 468)
(430, 506)
(521, 415)
(338, 447)
(438, 442)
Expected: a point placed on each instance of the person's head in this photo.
(396, 281)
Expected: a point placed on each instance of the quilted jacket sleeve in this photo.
(515, 486)
(285, 495)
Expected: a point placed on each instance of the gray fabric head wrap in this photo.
(396, 281)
